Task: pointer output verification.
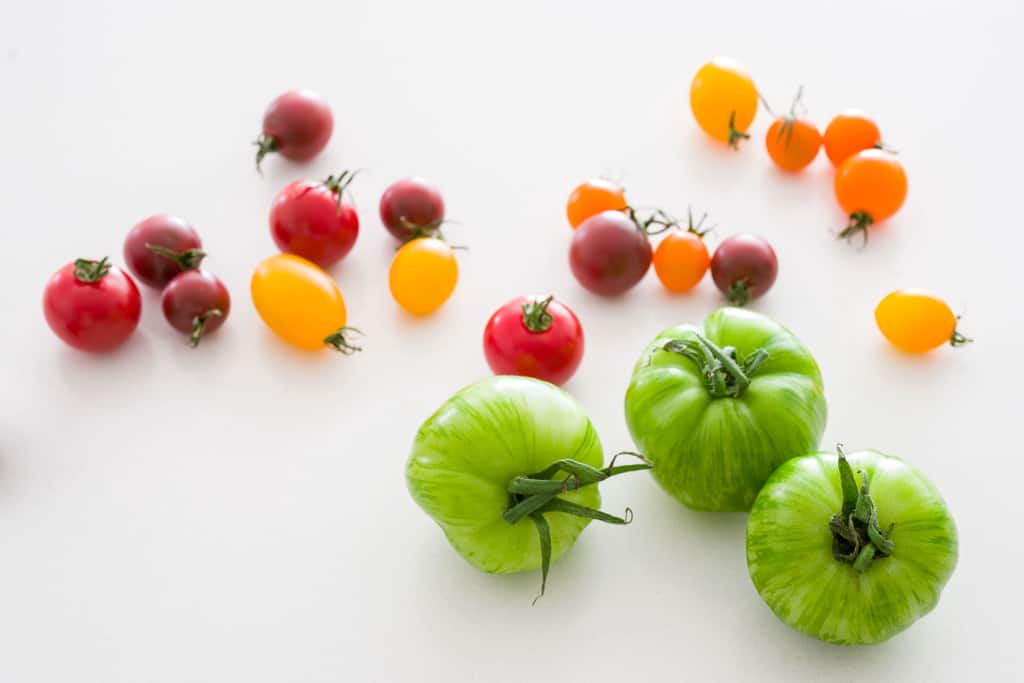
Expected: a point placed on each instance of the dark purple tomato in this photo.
(296, 125)
(160, 247)
(196, 303)
(744, 268)
(609, 253)
(314, 221)
(411, 207)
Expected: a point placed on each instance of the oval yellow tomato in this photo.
(915, 321)
(300, 303)
(423, 275)
(724, 100)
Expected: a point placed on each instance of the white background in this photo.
(238, 513)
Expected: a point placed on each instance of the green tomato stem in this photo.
(724, 377)
(189, 259)
(857, 539)
(90, 271)
(859, 223)
(199, 325)
(338, 341)
(265, 144)
(536, 316)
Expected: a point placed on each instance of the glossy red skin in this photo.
(191, 294)
(305, 220)
(92, 316)
(300, 122)
(511, 348)
(748, 258)
(170, 232)
(609, 254)
(415, 200)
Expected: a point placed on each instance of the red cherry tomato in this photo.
(411, 208)
(744, 267)
(160, 247)
(534, 337)
(297, 125)
(313, 220)
(92, 305)
(196, 303)
(609, 253)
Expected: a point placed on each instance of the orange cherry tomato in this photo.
(915, 321)
(423, 275)
(724, 100)
(682, 258)
(591, 198)
(792, 143)
(848, 133)
(870, 186)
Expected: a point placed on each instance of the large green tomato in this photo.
(718, 407)
(847, 563)
(507, 467)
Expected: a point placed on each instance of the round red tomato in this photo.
(314, 221)
(92, 305)
(534, 337)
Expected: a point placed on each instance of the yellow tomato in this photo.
(915, 321)
(724, 100)
(300, 303)
(423, 275)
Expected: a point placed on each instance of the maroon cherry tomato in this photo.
(411, 207)
(160, 247)
(92, 305)
(312, 220)
(609, 253)
(196, 303)
(297, 125)
(534, 337)
(744, 267)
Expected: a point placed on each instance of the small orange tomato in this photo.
(724, 100)
(591, 198)
(848, 133)
(792, 143)
(682, 259)
(870, 186)
(423, 275)
(915, 321)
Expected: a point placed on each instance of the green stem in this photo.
(536, 316)
(857, 539)
(723, 375)
(264, 146)
(338, 342)
(199, 325)
(859, 223)
(338, 184)
(735, 135)
(90, 271)
(739, 293)
(957, 339)
(188, 259)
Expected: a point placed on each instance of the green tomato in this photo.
(845, 563)
(718, 407)
(507, 468)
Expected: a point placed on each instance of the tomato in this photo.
(301, 304)
(609, 253)
(411, 208)
(92, 305)
(718, 406)
(160, 247)
(792, 143)
(314, 221)
(844, 563)
(297, 125)
(915, 321)
(495, 463)
(724, 100)
(744, 267)
(681, 258)
(196, 303)
(423, 275)
(870, 186)
(848, 133)
(593, 197)
(534, 337)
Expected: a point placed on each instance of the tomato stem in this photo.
(90, 271)
(265, 144)
(534, 495)
(536, 316)
(725, 376)
(859, 222)
(338, 184)
(338, 342)
(189, 259)
(199, 325)
(957, 338)
(739, 293)
(735, 135)
(857, 539)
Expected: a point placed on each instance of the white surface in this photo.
(238, 513)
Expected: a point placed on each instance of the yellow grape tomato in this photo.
(423, 275)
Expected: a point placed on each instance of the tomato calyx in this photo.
(189, 259)
(86, 270)
(533, 495)
(725, 374)
(338, 341)
(857, 539)
(432, 229)
(739, 293)
(536, 316)
(265, 144)
(199, 325)
(859, 223)
(957, 338)
(339, 183)
(797, 108)
(735, 135)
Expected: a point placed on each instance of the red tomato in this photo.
(313, 220)
(91, 305)
(534, 337)
(297, 125)
(160, 247)
(196, 303)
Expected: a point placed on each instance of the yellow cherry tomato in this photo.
(724, 100)
(423, 275)
(915, 321)
(300, 303)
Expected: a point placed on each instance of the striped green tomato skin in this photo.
(715, 453)
(466, 454)
(789, 549)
